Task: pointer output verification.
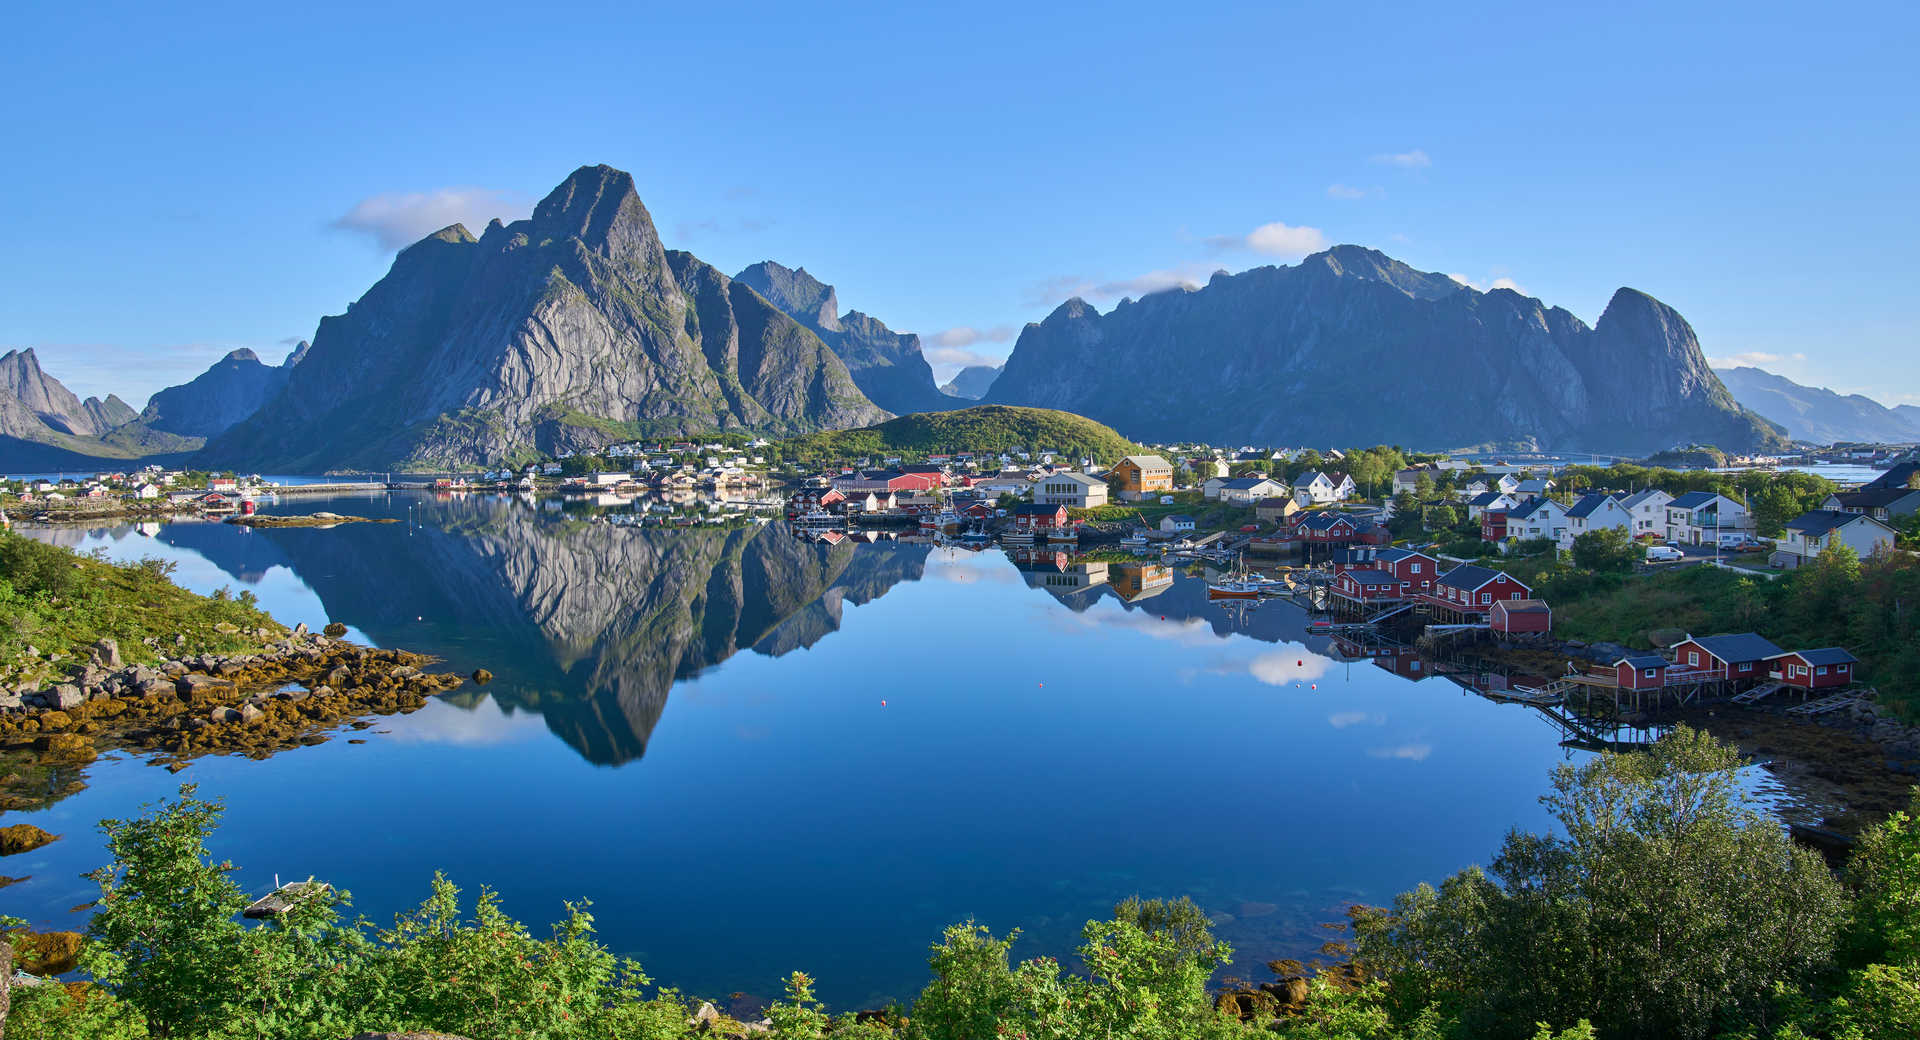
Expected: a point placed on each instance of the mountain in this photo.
(1351, 346)
(980, 428)
(54, 405)
(233, 389)
(569, 330)
(973, 381)
(887, 365)
(1816, 414)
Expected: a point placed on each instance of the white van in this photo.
(1664, 554)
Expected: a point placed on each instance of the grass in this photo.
(60, 603)
(986, 428)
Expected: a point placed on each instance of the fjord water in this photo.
(756, 754)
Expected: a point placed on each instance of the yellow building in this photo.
(1142, 476)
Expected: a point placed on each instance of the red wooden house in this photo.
(1641, 672)
(1520, 616)
(1731, 657)
(1823, 669)
(1416, 570)
(1353, 558)
(1493, 526)
(1367, 586)
(1033, 518)
(1472, 587)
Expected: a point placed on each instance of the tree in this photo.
(1773, 506)
(1609, 549)
(1423, 486)
(1670, 907)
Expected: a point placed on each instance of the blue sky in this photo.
(184, 181)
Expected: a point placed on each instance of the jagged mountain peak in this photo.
(809, 300)
(243, 354)
(1351, 261)
(297, 354)
(600, 206)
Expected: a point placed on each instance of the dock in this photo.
(285, 897)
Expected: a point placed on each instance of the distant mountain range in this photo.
(886, 365)
(1818, 415)
(973, 381)
(576, 328)
(1351, 346)
(570, 330)
(232, 390)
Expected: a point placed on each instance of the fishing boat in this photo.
(1241, 585)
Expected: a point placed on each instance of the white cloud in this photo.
(1755, 359)
(1500, 282)
(1348, 191)
(1415, 159)
(1409, 752)
(1052, 291)
(967, 335)
(1279, 668)
(399, 219)
(1275, 239)
(1344, 719)
(948, 361)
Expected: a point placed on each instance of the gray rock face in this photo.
(887, 365)
(571, 329)
(233, 389)
(973, 381)
(54, 405)
(1812, 413)
(1351, 346)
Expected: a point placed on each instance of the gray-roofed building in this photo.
(1703, 517)
(1811, 533)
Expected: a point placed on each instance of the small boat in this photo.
(1241, 585)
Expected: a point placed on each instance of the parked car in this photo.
(1664, 554)
(1249, 527)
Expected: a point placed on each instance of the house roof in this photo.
(1587, 504)
(1529, 507)
(1079, 478)
(1148, 461)
(1179, 518)
(1030, 509)
(1395, 555)
(1817, 522)
(1873, 497)
(1743, 646)
(1896, 477)
(1824, 655)
(1244, 483)
(1635, 500)
(1470, 576)
(1645, 661)
(1322, 521)
(1371, 577)
(1487, 498)
(1694, 500)
(1524, 606)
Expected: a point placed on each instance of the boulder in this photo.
(482, 677)
(334, 630)
(223, 713)
(22, 837)
(155, 688)
(251, 713)
(300, 630)
(46, 953)
(173, 669)
(65, 697)
(193, 683)
(107, 653)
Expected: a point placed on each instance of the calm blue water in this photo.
(757, 755)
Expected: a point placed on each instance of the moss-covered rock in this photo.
(22, 837)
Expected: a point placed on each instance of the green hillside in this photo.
(985, 428)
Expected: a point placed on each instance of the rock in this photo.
(46, 953)
(300, 630)
(250, 713)
(292, 694)
(155, 688)
(482, 677)
(223, 713)
(55, 720)
(334, 630)
(193, 683)
(68, 746)
(9, 701)
(107, 652)
(23, 837)
(1288, 991)
(173, 669)
(340, 676)
(705, 1017)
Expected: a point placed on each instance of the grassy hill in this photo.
(985, 428)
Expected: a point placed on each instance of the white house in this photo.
(1073, 490)
(1496, 501)
(1595, 512)
(1506, 484)
(1324, 488)
(1810, 533)
(147, 492)
(1649, 511)
(1176, 522)
(1406, 480)
(1538, 517)
(1533, 486)
(1243, 490)
(1701, 517)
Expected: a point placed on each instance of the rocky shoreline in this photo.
(286, 695)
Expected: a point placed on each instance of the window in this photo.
(1693, 658)
(1822, 670)
(1416, 568)
(1486, 597)
(1649, 673)
(1841, 669)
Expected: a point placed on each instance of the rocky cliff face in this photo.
(54, 405)
(233, 389)
(571, 329)
(887, 365)
(1816, 414)
(973, 381)
(1351, 346)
